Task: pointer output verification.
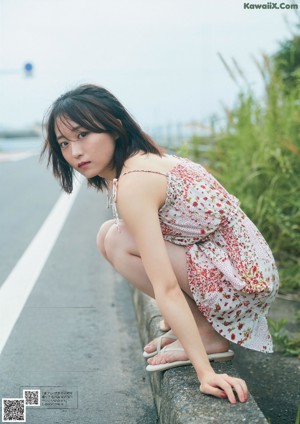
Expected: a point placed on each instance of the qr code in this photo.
(13, 410)
(32, 397)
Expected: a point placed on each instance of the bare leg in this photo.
(119, 248)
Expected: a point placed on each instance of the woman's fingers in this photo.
(229, 392)
(239, 386)
(219, 388)
(224, 386)
(214, 391)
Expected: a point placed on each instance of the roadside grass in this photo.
(283, 342)
(255, 154)
(298, 416)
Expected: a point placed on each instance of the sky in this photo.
(159, 57)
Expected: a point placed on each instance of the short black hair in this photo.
(94, 108)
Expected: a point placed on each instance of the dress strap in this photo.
(144, 170)
(111, 196)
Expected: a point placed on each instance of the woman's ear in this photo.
(119, 120)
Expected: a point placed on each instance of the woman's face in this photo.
(87, 152)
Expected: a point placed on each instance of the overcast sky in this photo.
(159, 57)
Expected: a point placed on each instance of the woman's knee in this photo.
(118, 244)
(101, 236)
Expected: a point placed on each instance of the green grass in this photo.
(283, 343)
(255, 154)
(298, 416)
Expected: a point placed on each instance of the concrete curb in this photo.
(176, 391)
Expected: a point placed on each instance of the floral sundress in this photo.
(231, 270)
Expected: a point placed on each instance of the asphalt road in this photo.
(76, 339)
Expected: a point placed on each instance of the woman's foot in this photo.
(164, 341)
(164, 326)
(166, 357)
(211, 346)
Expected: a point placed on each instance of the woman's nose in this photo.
(76, 149)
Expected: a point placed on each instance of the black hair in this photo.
(95, 109)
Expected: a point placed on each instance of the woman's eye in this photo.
(82, 134)
(63, 144)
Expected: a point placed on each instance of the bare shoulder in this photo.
(142, 189)
(149, 162)
(143, 181)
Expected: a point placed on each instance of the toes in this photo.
(152, 361)
(156, 360)
(161, 341)
(150, 347)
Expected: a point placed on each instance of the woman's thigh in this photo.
(118, 241)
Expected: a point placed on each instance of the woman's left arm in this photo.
(139, 210)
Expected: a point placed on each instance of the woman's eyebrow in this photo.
(73, 130)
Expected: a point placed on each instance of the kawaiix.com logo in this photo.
(271, 5)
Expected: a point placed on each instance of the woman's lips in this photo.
(83, 164)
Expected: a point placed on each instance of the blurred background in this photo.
(159, 57)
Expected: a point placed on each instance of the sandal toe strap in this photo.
(164, 336)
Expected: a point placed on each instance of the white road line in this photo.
(14, 157)
(16, 289)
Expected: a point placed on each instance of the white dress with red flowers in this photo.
(231, 269)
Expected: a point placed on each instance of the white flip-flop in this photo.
(213, 357)
(158, 345)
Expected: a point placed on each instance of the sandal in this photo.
(213, 357)
(158, 345)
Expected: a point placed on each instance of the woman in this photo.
(182, 238)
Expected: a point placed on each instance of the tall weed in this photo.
(256, 156)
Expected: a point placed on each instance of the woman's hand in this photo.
(222, 386)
